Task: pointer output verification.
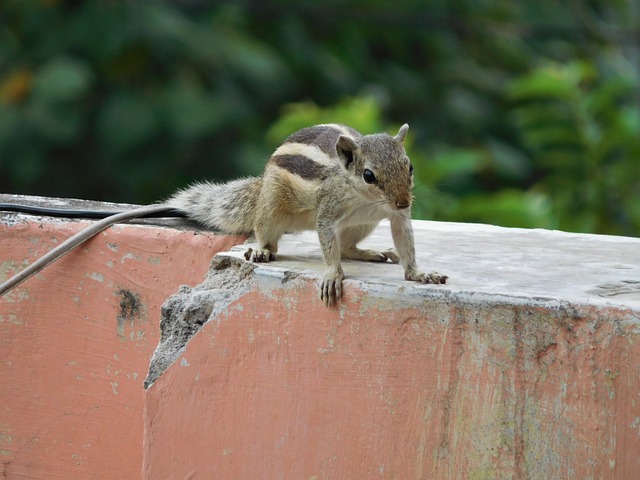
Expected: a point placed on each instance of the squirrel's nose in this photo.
(402, 204)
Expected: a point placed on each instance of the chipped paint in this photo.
(130, 256)
(98, 277)
(132, 310)
(11, 318)
(8, 268)
(6, 440)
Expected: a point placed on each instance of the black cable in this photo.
(89, 214)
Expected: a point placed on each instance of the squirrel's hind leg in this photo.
(351, 236)
(267, 237)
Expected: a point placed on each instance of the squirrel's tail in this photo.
(226, 207)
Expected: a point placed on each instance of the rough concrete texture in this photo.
(188, 310)
(75, 341)
(524, 366)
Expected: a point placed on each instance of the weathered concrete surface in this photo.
(186, 312)
(75, 341)
(526, 365)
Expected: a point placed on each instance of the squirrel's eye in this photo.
(368, 176)
(411, 169)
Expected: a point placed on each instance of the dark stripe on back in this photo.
(301, 166)
(322, 136)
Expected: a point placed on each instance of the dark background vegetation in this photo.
(522, 113)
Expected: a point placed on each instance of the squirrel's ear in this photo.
(346, 148)
(402, 133)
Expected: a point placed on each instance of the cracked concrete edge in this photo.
(231, 277)
(184, 313)
(415, 294)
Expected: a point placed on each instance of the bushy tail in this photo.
(225, 207)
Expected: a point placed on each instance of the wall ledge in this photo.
(486, 264)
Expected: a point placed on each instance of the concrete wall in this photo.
(396, 385)
(76, 340)
(526, 365)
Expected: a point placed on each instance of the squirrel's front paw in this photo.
(331, 288)
(433, 277)
(260, 255)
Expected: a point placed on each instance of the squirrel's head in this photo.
(380, 166)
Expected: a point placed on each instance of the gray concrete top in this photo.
(486, 262)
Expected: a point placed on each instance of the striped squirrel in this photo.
(328, 178)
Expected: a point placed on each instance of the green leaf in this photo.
(548, 82)
(509, 208)
(553, 80)
(552, 136)
(125, 122)
(59, 124)
(538, 113)
(453, 162)
(190, 111)
(509, 161)
(361, 113)
(62, 79)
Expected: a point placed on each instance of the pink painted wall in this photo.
(75, 344)
(281, 387)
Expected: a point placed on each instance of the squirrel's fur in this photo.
(328, 178)
(225, 207)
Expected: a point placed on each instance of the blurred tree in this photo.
(124, 100)
(127, 101)
(580, 123)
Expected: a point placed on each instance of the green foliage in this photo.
(521, 113)
(131, 98)
(581, 125)
(363, 114)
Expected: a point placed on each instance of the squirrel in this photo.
(328, 178)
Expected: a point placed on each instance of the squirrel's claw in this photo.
(371, 255)
(433, 277)
(261, 255)
(331, 288)
(392, 255)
